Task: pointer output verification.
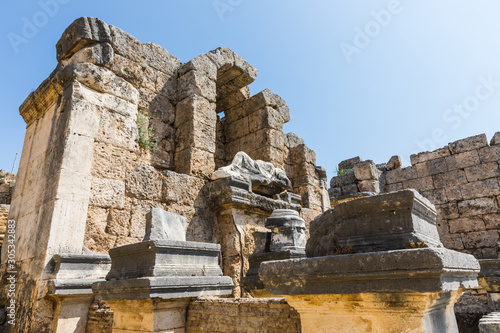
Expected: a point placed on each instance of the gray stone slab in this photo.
(415, 270)
(163, 225)
(163, 287)
(164, 258)
(375, 223)
(74, 274)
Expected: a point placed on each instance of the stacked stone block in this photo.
(4, 216)
(242, 315)
(461, 179)
(255, 126)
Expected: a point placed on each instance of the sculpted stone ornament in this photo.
(263, 176)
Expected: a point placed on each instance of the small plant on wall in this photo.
(341, 172)
(146, 137)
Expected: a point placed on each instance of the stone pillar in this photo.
(63, 117)
(151, 283)
(386, 272)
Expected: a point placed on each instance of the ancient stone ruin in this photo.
(160, 196)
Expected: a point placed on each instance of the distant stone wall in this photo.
(242, 315)
(461, 179)
(7, 184)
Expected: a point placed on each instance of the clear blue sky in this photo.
(373, 78)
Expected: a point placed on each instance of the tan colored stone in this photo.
(462, 160)
(479, 189)
(452, 241)
(107, 193)
(480, 239)
(448, 179)
(366, 171)
(477, 206)
(432, 167)
(369, 186)
(143, 182)
(195, 108)
(196, 162)
(437, 197)
(467, 144)
(466, 224)
(495, 139)
(399, 175)
(393, 187)
(453, 193)
(482, 171)
(492, 221)
(195, 83)
(447, 211)
(419, 184)
(489, 154)
(429, 155)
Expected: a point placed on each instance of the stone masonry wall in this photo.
(188, 141)
(242, 315)
(461, 179)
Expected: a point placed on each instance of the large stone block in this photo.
(482, 171)
(202, 64)
(349, 163)
(381, 222)
(162, 225)
(419, 184)
(466, 224)
(477, 206)
(194, 161)
(399, 175)
(429, 155)
(449, 179)
(492, 221)
(82, 32)
(267, 117)
(195, 83)
(467, 144)
(195, 108)
(432, 167)
(164, 258)
(495, 140)
(366, 171)
(462, 160)
(343, 180)
(478, 189)
(143, 182)
(107, 193)
(437, 196)
(479, 239)
(489, 154)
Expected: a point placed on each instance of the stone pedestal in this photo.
(70, 288)
(151, 283)
(490, 323)
(241, 214)
(383, 285)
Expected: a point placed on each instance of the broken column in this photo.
(151, 283)
(244, 195)
(374, 264)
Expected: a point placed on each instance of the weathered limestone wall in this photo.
(461, 179)
(242, 315)
(120, 127)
